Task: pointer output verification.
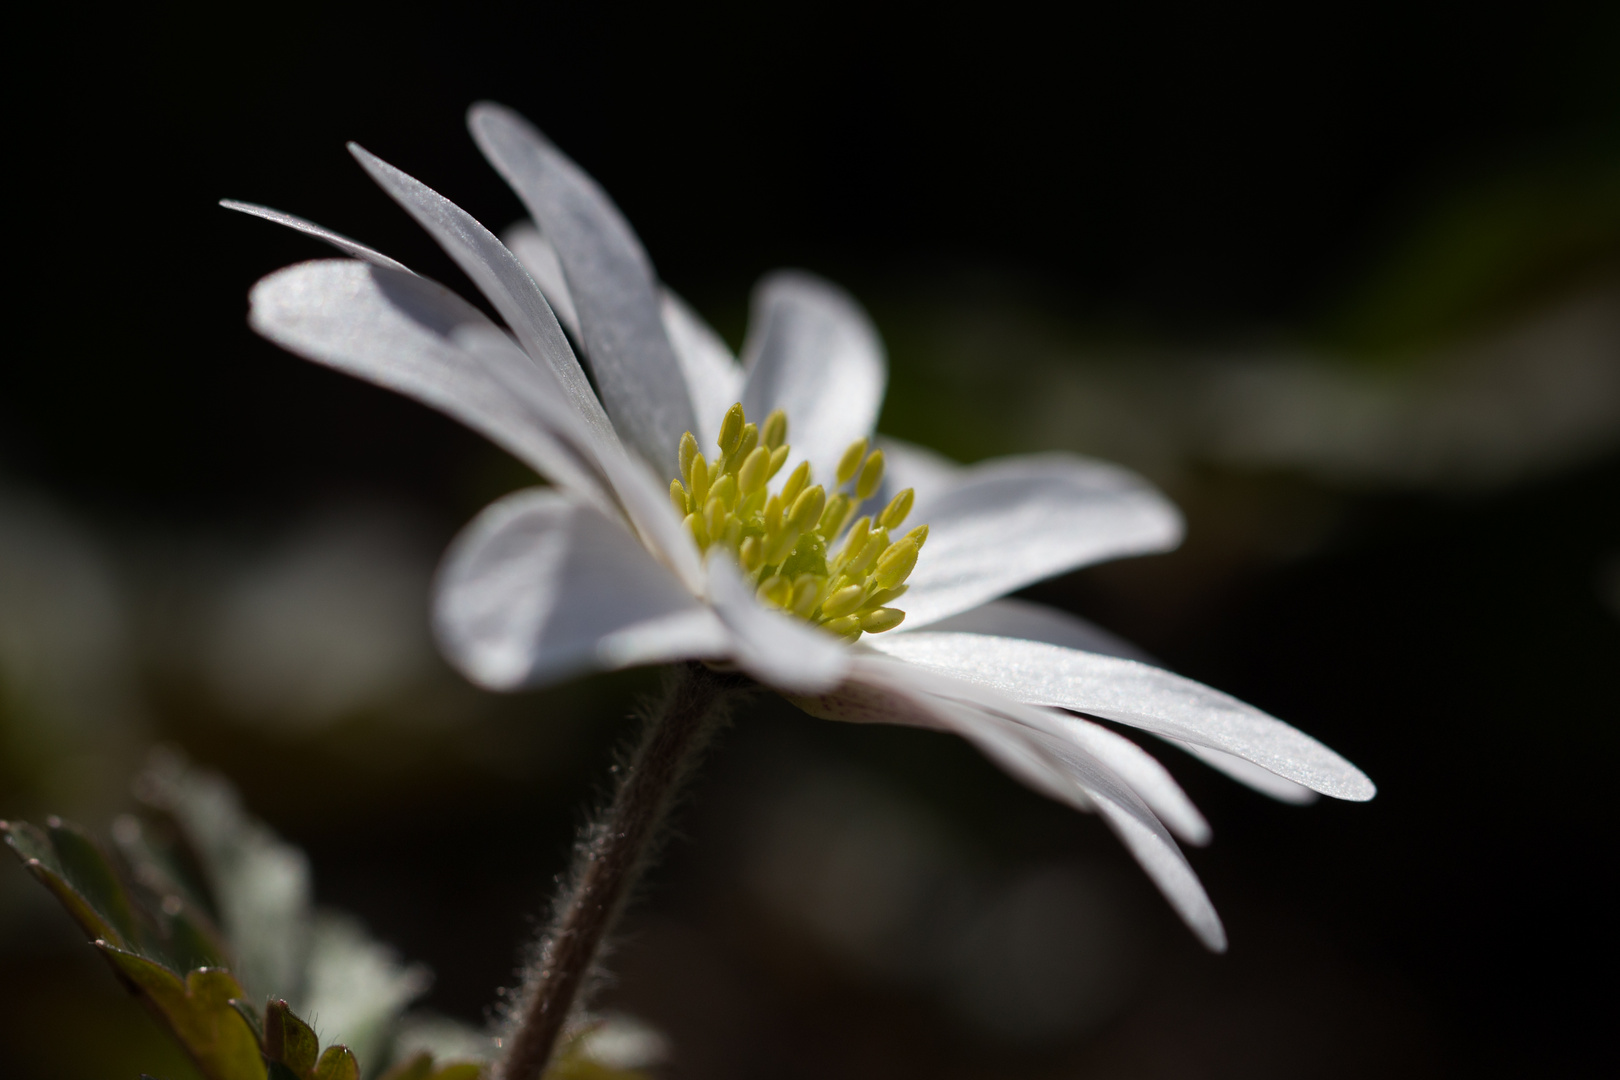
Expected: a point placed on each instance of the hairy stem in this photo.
(614, 850)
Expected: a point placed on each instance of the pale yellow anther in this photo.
(877, 542)
(733, 537)
(677, 497)
(695, 529)
(751, 554)
(725, 489)
(884, 618)
(776, 590)
(774, 508)
(849, 626)
(731, 429)
(895, 564)
(778, 459)
(774, 433)
(832, 518)
(918, 536)
(752, 476)
(843, 601)
(746, 444)
(898, 508)
(714, 518)
(688, 451)
(780, 546)
(858, 533)
(806, 591)
(884, 597)
(796, 480)
(871, 476)
(698, 480)
(851, 461)
(807, 509)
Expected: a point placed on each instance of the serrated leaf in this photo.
(289, 1040)
(337, 1064)
(199, 1011)
(80, 877)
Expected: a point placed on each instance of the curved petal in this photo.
(778, 650)
(1034, 746)
(352, 248)
(1014, 521)
(1132, 693)
(539, 258)
(1142, 771)
(1250, 775)
(1015, 618)
(610, 280)
(540, 586)
(416, 337)
(501, 278)
(713, 378)
(812, 352)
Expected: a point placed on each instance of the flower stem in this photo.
(612, 853)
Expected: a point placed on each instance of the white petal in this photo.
(1032, 745)
(907, 465)
(414, 336)
(1014, 618)
(352, 248)
(778, 650)
(501, 278)
(812, 352)
(1149, 779)
(610, 280)
(1013, 521)
(1250, 774)
(713, 378)
(1133, 693)
(540, 586)
(539, 258)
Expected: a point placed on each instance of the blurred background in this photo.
(1345, 282)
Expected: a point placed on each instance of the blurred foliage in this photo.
(203, 911)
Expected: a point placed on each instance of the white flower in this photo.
(600, 571)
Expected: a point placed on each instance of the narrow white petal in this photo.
(1250, 775)
(1014, 618)
(540, 586)
(1133, 693)
(1011, 522)
(1149, 779)
(812, 352)
(778, 650)
(609, 278)
(713, 377)
(352, 248)
(1036, 747)
(539, 258)
(416, 337)
(501, 278)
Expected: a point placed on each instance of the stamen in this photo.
(783, 540)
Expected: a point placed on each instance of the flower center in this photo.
(784, 540)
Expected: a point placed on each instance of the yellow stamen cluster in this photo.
(784, 541)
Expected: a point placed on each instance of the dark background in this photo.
(1184, 177)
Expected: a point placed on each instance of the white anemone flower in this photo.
(607, 569)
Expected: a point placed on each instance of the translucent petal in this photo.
(1133, 693)
(414, 336)
(778, 650)
(610, 280)
(352, 248)
(501, 278)
(541, 586)
(1138, 768)
(713, 378)
(1251, 775)
(812, 352)
(1013, 521)
(1032, 745)
(539, 258)
(1015, 618)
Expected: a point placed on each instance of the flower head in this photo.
(683, 522)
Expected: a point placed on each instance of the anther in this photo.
(776, 590)
(714, 517)
(871, 476)
(898, 508)
(877, 542)
(849, 626)
(918, 536)
(806, 591)
(796, 480)
(699, 480)
(731, 429)
(688, 451)
(725, 489)
(843, 601)
(778, 459)
(884, 618)
(752, 476)
(807, 508)
(677, 497)
(851, 461)
(695, 529)
(751, 554)
(747, 442)
(832, 519)
(895, 564)
(774, 433)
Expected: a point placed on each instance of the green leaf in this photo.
(289, 1040)
(337, 1064)
(199, 1010)
(74, 869)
